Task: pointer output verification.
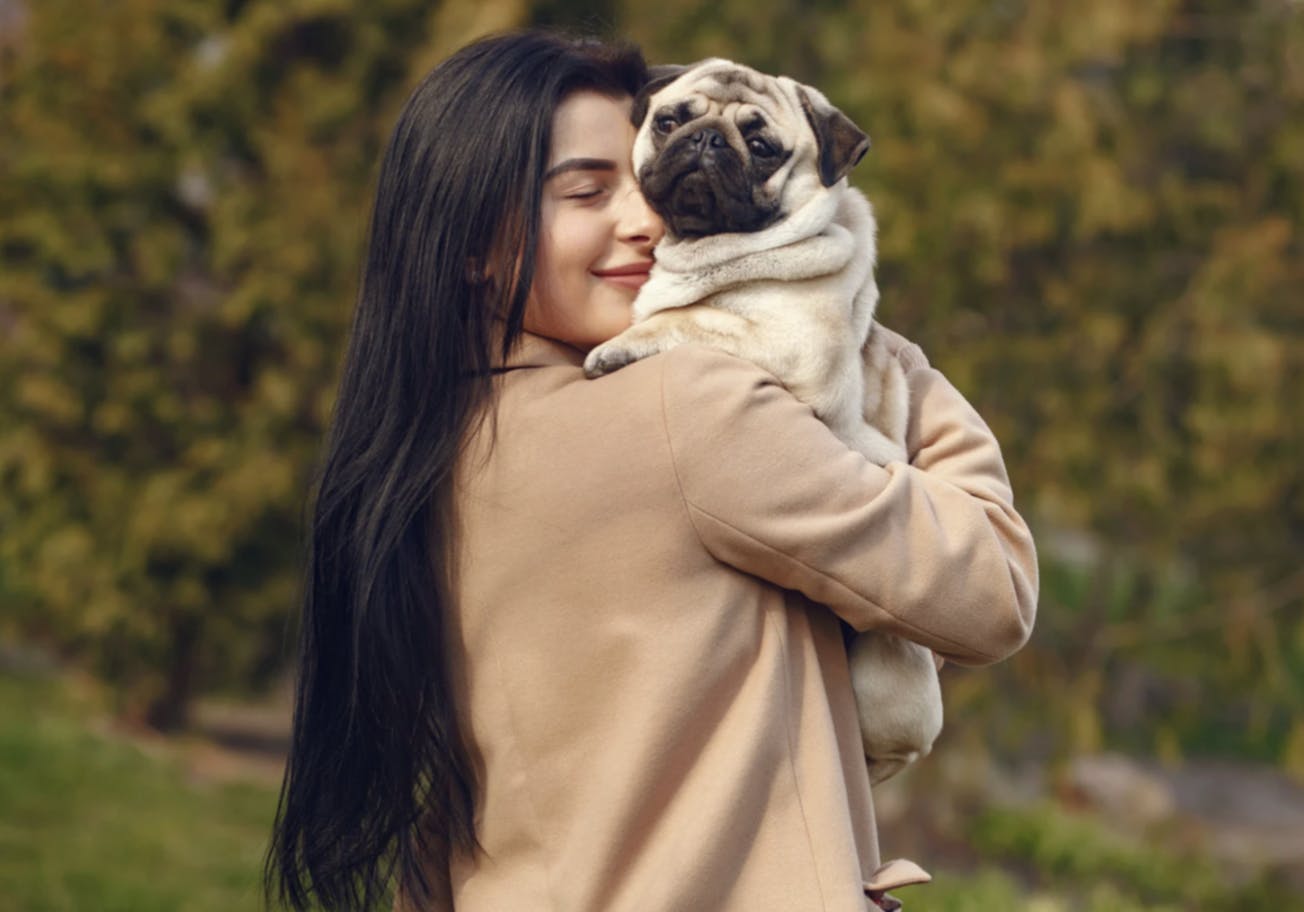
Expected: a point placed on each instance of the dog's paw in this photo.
(608, 358)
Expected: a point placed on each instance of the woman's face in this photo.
(596, 231)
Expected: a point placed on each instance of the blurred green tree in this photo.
(1090, 216)
(185, 196)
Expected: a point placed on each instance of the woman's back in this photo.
(655, 729)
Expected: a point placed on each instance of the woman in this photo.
(588, 654)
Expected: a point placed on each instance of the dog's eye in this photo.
(666, 124)
(760, 148)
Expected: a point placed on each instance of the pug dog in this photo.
(769, 255)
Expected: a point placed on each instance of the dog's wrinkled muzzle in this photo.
(699, 185)
(708, 142)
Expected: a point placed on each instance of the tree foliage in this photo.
(1090, 216)
(185, 198)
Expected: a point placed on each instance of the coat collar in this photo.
(533, 350)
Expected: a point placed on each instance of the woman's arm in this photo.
(933, 551)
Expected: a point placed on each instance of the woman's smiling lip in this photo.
(631, 275)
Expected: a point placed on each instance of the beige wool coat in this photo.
(647, 647)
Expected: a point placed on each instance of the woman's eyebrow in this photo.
(580, 164)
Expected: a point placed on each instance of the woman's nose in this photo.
(639, 224)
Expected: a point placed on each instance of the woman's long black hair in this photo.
(379, 779)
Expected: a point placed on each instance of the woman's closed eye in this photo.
(588, 191)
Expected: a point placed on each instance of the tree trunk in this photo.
(170, 710)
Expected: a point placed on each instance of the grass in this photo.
(1106, 869)
(993, 890)
(93, 823)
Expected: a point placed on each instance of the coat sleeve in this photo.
(933, 551)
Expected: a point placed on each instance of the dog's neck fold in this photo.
(820, 238)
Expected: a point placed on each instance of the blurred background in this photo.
(1091, 217)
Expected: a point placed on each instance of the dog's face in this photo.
(723, 148)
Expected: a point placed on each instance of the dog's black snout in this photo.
(708, 138)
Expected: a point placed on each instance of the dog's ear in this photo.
(658, 78)
(841, 143)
